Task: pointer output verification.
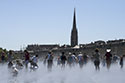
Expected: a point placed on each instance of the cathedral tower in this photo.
(74, 32)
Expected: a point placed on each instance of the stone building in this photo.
(117, 46)
(37, 48)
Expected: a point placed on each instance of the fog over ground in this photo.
(87, 74)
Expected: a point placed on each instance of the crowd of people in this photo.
(63, 60)
(82, 59)
(17, 64)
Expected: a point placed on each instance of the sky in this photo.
(25, 22)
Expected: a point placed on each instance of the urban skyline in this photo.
(50, 22)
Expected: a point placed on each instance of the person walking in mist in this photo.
(121, 61)
(49, 59)
(10, 56)
(108, 56)
(2, 57)
(80, 59)
(63, 59)
(27, 58)
(96, 59)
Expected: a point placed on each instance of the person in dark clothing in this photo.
(121, 61)
(10, 56)
(3, 57)
(27, 58)
(108, 56)
(114, 58)
(97, 59)
(85, 58)
(63, 59)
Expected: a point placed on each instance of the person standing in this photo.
(74, 59)
(49, 59)
(63, 59)
(10, 56)
(85, 58)
(80, 59)
(108, 56)
(2, 57)
(69, 60)
(96, 59)
(121, 61)
(34, 61)
(27, 58)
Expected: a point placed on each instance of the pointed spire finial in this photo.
(74, 33)
(74, 18)
(74, 9)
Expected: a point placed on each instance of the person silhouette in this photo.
(108, 56)
(63, 59)
(27, 58)
(96, 57)
(121, 61)
(49, 59)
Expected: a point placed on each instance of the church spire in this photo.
(74, 20)
(74, 33)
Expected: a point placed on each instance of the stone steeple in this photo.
(74, 32)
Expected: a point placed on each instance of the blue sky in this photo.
(24, 22)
